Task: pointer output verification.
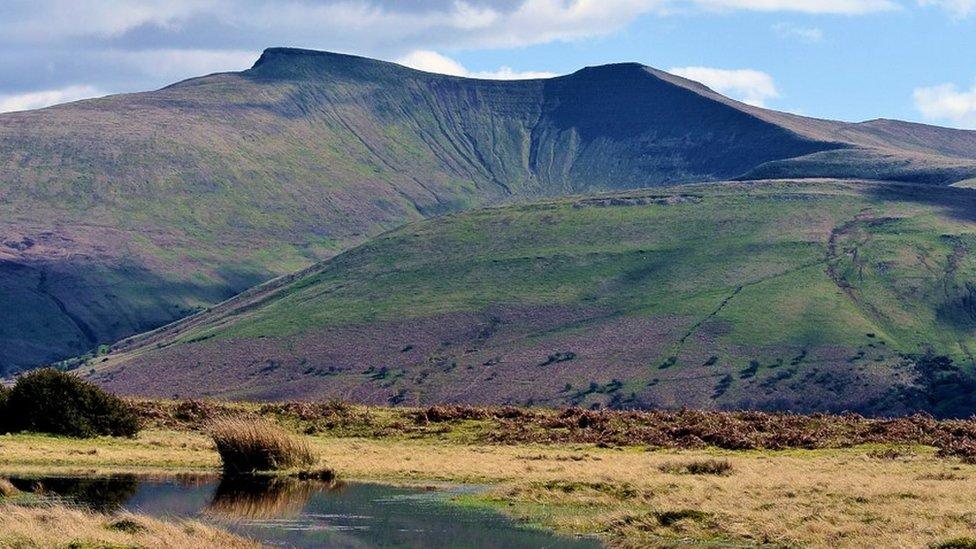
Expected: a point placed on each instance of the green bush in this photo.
(4, 415)
(50, 401)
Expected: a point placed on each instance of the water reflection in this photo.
(264, 497)
(303, 513)
(102, 494)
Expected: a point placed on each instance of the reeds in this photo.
(248, 446)
(7, 489)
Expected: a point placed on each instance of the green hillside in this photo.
(124, 213)
(816, 295)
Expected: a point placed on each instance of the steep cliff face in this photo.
(143, 207)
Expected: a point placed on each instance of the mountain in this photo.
(121, 214)
(816, 295)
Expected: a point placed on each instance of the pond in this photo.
(293, 513)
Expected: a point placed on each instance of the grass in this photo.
(734, 284)
(249, 446)
(699, 467)
(879, 493)
(60, 526)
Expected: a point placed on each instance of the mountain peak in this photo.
(283, 62)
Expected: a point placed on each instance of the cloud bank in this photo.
(946, 103)
(747, 85)
(45, 98)
(431, 61)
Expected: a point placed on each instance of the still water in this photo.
(293, 513)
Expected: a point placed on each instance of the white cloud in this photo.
(805, 34)
(508, 73)
(46, 98)
(948, 103)
(747, 85)
(173, 64)
(106, 18)
(957, 8)
(431, 61)
(841, 7)
(379, 24)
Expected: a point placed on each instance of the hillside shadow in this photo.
(957, 203)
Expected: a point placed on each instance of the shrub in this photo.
(50, 401)
(254, 445)
(4, 414)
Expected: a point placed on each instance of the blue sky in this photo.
(846, 59)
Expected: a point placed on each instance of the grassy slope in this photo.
(137, 209)
(779, 294)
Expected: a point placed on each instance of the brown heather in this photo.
(678, 429)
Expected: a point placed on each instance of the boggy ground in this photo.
(632, 478)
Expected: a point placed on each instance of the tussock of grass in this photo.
(718, 467)
(7, 489)
(956, 543)
(253, 445)
(669, 518)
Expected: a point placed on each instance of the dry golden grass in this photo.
(7, 489)
(255, 445)
(841, 498)
(878, 496)
(59, 526)
(150, 451)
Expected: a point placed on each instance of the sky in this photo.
(842, 59)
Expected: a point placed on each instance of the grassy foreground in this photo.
(59, 526)
(878, 494)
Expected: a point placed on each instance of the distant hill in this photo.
(121, 214)
(810, 296)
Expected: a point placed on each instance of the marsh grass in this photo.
(718, 467)
(248, 446)
(7, 489)
(55, 525)
(956, 543)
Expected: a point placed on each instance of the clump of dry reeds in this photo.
(249, 446)
(719, 467)
(7, 489)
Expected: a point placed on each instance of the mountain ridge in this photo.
(139, 209)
